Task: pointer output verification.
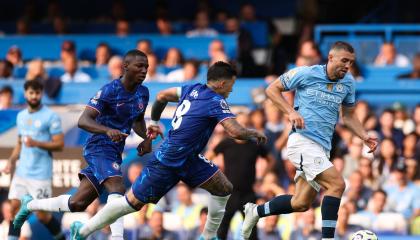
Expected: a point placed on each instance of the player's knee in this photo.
(339, 187)
(223, 189)
(78, 205)
(301, 207)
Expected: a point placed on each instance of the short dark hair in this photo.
(34, 84)
(380, 191)
(104, 44)
(6, 89)
(220, 70)
(340, 45)
(8, 64)
(134, 53)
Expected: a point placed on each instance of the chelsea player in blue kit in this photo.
(40, 134)
(321, 90)
(200, 108)
(110, 115)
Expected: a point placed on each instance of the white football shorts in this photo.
(38, 189)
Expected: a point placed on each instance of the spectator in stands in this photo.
(356, 191)
(270, 186)
(344, 230)
(14, 55)
(416, 118)
(152, 74)
(404, 197)
(122, 28)
(195, 233)
(72, 73)
(279, 55)
(269, 231)
(308, 49)
(6, 97)
(6, 211)
(306, 226)
(36, 71)
(388, 56)
(60, 25)
(387, 129)
(362, 111)
(155, 230)
(245, 44)
(103, 54)
(258, 119)
(355, 71)
(164, 26)
(186, 210)
(352, 158)
(188, 72)
(202, 28)
(402, 119)
(215, 47)
(145, 46)
(365, 169)
(338, 163)
(248, 13)
(386, 161)
(413, 170)
(173, 58)
(6, 70)
(68, 50)
(115, 67)
(22, 26)
(415, 74)
(134, 170)
(409, 145)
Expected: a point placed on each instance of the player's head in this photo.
(135, 66)
(33, 93)
(340, 58)
(221, 76)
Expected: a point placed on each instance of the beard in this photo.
(34, 104)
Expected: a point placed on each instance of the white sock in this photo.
(107, 215)
(56, 204)
(117, 228)
(217, 207)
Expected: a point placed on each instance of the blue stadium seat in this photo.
(407, 45)
(259, 32)
(20, 72)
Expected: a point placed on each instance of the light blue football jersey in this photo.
(34, 162)
(318, 100)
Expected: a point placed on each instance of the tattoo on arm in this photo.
(235, 130)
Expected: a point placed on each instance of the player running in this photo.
(320, 92)
(109, 115)
(201, 107)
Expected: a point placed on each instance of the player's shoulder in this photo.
(22, 113)
(196, 90)
(348, 79)
(143, 90)
(48, 112)
(300, 70)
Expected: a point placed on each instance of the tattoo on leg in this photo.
(218, 185)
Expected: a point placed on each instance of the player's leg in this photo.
(283, 204)
(16, 191)
(116, 189)
(232, 206)
(334, 184)
(154, 182)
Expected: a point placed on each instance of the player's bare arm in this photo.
(13, 157)
(56, 143)
(139, 127)
(162, 99)
(273, 92)
(235, 130)
(87, 122)
(351, 121)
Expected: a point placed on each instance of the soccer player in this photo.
(40, 133)
(320, 92)
(109, 115)
(200, 108)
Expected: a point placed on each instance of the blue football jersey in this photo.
(318, 100)
(34, 162)
(199, 110)
(117, 110)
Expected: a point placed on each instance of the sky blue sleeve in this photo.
(19, 126)
(350, 99)
(294, 78)
(219, 109)
(99, 101)
(55, 125)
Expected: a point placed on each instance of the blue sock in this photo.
(279, 205)
(329, 210)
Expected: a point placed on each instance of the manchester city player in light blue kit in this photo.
(40, 133)
(321, 90)
(200, 108)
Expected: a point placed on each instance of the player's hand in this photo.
(29, 142)
(371, 142)
(261, 138)
(297, 120)
(144, 147)
(116, 135)
(153, 131)
(8, 168)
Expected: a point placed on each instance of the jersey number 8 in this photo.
(180, 111)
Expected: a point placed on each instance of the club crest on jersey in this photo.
(98, 95)
(141, 106)
(194, 94)
(339, 87)
(116, 166)
(37, 123)
(224, 104)
(329, 86)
